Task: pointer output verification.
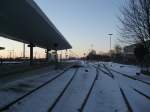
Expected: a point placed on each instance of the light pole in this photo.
(110, 47)
(110, 40)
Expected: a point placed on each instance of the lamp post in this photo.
(110, 46)
(110, 40)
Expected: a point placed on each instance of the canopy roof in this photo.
(24, 21)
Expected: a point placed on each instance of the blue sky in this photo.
(82, 22)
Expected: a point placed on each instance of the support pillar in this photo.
(31, 53)
(47, 54)
(56, 55)
(56, 59)
(61, 56)
(66, 54)
(23, 50)
(1, 59)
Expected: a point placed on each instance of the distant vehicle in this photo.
(2, 48)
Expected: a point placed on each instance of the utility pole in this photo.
(110, 40)
(110, 48)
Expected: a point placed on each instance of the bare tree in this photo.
(135, 20)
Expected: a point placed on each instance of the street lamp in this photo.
(110, 40)
(110, 45)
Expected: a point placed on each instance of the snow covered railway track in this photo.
(141, 93)
(121, 90)
(133, 91)
(89, 93)
(134, 100)
(7, 106)
(62, 93)
(71, 87)
(125, 75)
(107, 73)
(136, 86)
(128, 76)
(126, 100)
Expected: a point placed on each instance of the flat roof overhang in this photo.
(24, 21)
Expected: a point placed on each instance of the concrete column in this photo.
(66, 54)
(31, 53)
(61, 56)
(56, 59)
(47, 54)
(23, 50)
(56, 56)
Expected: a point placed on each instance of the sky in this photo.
(84, 23)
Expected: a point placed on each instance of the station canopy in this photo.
(24, 21)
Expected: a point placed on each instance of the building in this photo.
(128, 52)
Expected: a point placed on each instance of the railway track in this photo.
(62, 93)
(125, 75)
(85, 99)
(126, 100)
(89, 93)
(141, 93)
(129, 106)
(7, 106)
(108, 74)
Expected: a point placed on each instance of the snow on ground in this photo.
(130, 70)
(11, 78)
(138, 102)
(74, 96)
(30, 78)
(105, 96)
(126, 69)
(42, 99)
(133, 83)
(20, 87)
